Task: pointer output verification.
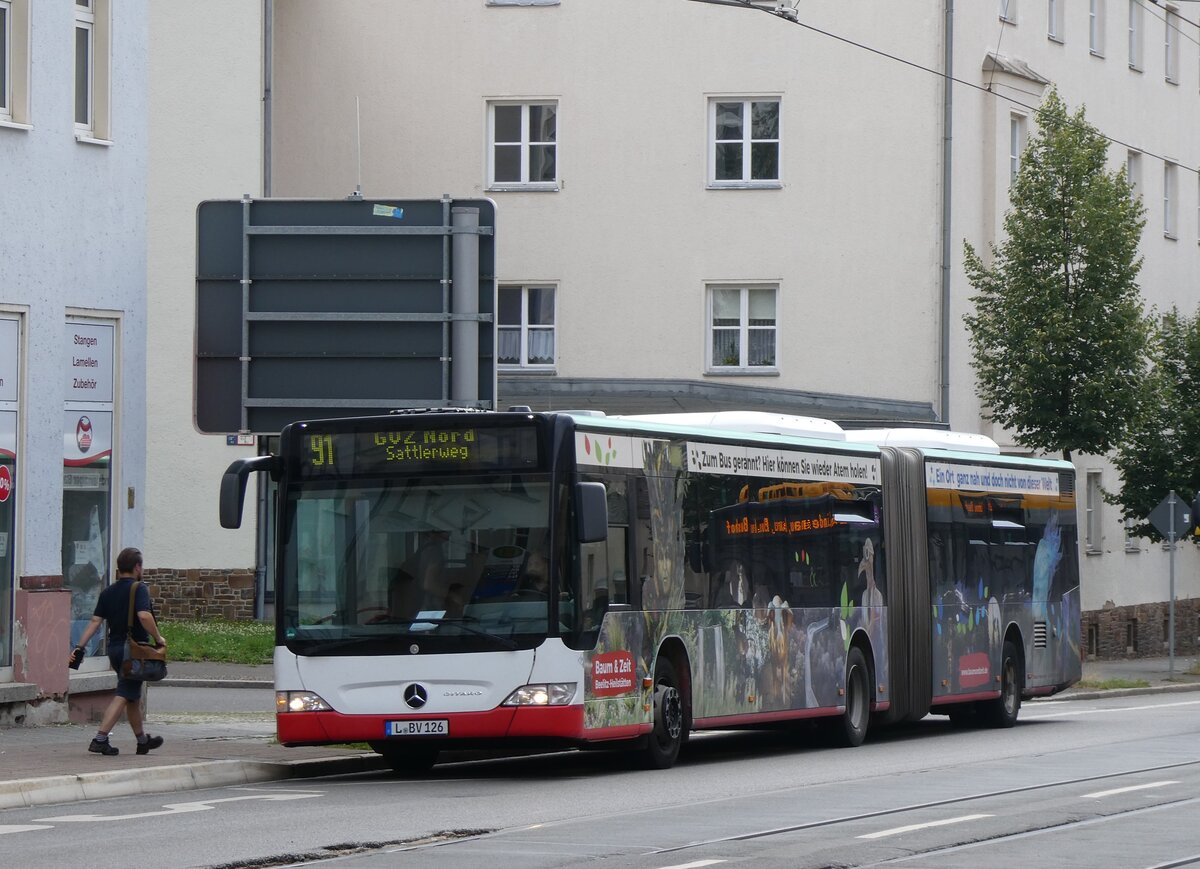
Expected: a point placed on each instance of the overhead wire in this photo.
(750, 4)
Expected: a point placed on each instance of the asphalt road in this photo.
(1106, 783)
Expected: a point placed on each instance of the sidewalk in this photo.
(44, 765)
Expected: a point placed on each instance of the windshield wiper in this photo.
(503, 642)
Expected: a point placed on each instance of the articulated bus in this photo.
(450, 580)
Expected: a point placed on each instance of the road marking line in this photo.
(696, 865)
(23, 828)
(895, 831)
(183, 808)
(1036, 717)
(1154, 784)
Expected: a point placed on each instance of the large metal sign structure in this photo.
(314, 309)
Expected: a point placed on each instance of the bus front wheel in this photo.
(851, 728)
(670, 729)
(407, 759)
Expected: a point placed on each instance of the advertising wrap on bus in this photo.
(499, 579)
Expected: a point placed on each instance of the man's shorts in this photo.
(128, 689)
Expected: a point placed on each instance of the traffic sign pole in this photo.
(1171, 600)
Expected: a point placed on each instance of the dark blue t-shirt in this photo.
(113, 607)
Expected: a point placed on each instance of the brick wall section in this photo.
(1140, 631)
(202, 594)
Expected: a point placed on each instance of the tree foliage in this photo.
(1058, 339)
(1161, 450)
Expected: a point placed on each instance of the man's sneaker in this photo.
(149, 745)
(105, 747)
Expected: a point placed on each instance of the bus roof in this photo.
(757, 421)
(925, 438)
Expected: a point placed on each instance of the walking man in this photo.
(113, 608)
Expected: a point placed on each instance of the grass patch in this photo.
(221, 641)
(1195, 669)
(1111, 684)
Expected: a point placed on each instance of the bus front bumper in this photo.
(494, 726)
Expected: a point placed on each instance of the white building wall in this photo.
(852, 236)
(72, 242)
(1137, 109)
(206, 114)
(634, 235)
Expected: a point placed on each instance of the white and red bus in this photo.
(481, 579)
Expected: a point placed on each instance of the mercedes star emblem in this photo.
(415, 696)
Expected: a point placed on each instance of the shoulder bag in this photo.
(143, 662)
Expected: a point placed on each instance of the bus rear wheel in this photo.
(1002, 712)
(670, 728)
(851, 728)
(407, 759)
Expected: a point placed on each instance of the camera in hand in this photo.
(76, 658)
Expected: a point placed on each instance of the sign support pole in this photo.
(1171, 600)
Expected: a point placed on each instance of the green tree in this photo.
(1058, 339)
(1161, 450)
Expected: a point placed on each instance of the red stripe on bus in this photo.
(762, 717)
(965, 698)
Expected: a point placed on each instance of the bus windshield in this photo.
(445, 564)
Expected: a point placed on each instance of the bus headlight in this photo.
(553, 694)
(300, 701)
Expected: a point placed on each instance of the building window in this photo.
(92, 40)
(89, 436)
(525, 326)
(5, 54)
(1008, 11)
(1170, 199)
(14, 63)
(1131, 541)
(524, 145)
(742, 327)
(1096, 27)
(10, 377)
(1095, 497)
(1135, 34)
(1054, 23)
(1133, 172)
(745, 142)
(1016, 144)
(1171, 46)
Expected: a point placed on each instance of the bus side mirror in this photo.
(591, 512)
(233, 487)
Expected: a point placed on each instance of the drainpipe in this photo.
(947, 156)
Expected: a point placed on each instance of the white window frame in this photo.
(14, 77)
(743, 365)
(747, 142)
(525, 143)
(5, 60)
(94, 16)
(1093, 538)
(1017, 133)
(1133, 172)
(1054, 20)
(1171, 44)
(1007, 9)
(525, 328)
(85, 21)
(1170, 213)
(1135, 35)
(1132, 543)
(1096, 16)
